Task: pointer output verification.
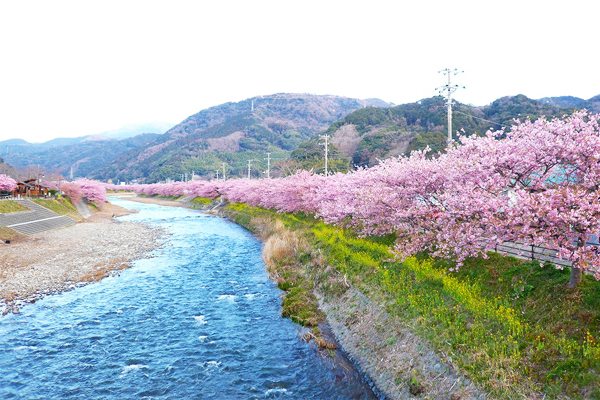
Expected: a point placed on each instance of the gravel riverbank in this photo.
(62, 259)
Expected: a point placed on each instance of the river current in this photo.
(199, 319)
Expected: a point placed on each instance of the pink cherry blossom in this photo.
(7, 183)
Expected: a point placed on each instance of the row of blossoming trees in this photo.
(539, 184)
(92, 191)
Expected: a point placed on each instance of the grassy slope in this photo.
(511, 325)
(62, 206)
(7, 233)
(9, 206)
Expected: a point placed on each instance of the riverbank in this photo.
(154, 200)
(60, 260)
(499, 327)
(399, 363)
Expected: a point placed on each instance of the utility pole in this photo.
(268, 165)
(224, 172)
(326, 137)
(449, 89)
(217, 174)
(249, 165)
(193, 173)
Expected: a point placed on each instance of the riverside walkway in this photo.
(35, 220)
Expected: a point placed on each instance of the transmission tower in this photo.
(217, 174)
(249, 166)
(449, 88)
(326, 144)
(268, 165)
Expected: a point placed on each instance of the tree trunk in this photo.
(575, 277)
(575, 271)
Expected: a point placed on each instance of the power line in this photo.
(472, 116)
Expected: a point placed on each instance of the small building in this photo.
(30, 188)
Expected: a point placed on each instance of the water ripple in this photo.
(199, 320)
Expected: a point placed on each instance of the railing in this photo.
(527, 251)
(23, 197)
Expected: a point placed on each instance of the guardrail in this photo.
(527, 251)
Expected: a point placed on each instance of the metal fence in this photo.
(527, 251)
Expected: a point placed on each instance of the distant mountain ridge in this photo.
(234, 133)
(137, 129)
(83, 154)
(368, 135)
(237, 136)
(592, 105)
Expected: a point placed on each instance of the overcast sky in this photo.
(79, 68)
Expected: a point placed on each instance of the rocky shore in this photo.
(62, 259)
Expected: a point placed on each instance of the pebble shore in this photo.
(62, 259)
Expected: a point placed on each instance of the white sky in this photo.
(74, 68)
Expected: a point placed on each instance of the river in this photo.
(198, 319)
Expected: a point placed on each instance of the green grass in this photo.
(299, 303)
(172, 198)
(62, 206)
(201, 201)
(9, 206)
(511, 325)
(8, 233)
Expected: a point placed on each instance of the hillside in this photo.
(236, 135)
(370, 134)
(233, 133)
(137, 129)
(83, 154)
(6, 169)
(592, 105)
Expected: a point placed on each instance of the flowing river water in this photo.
(200, 319)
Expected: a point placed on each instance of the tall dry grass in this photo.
(282, 245)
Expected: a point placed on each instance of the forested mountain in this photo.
(370, 134)
(233, 133)
(6, 169)
(239, 135)
(592, 105)
(84, 154)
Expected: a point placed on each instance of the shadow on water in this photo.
(200, 319)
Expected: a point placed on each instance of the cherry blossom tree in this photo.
(7, 183)
(538, 183)
(92, 191)
(72, 191)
